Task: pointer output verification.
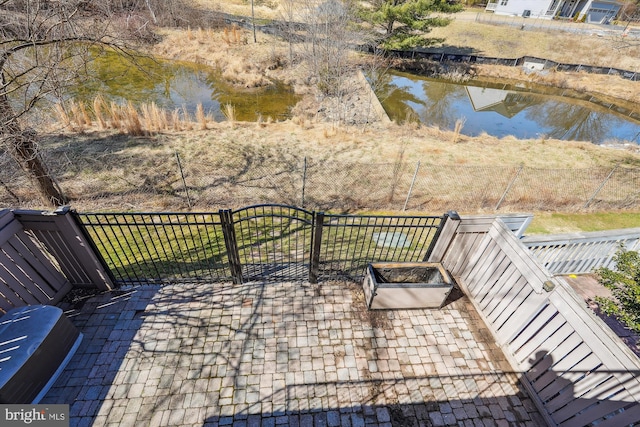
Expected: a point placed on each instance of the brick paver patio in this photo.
(261, 354)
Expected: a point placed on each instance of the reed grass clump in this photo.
(232, 35)
(457, 129)
(229, 111)
(129, 118)
(201, 117)
(100, 108)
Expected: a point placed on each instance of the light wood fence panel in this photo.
(579, 371)
(579, 253)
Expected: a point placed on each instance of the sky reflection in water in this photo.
(500, 112)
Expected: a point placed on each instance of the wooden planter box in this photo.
(406, 285)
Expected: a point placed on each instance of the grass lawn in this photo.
(554, 223)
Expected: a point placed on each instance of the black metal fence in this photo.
(261, 242)
(513, 62)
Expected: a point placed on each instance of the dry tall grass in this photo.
(229, 112)
(349, 168)
(458, 128)
(129, 119)
(233, 35)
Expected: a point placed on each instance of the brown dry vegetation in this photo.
(83, 157)
(251, 64)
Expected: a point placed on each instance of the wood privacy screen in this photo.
(579, 371)
(578, 253)
(27, 276)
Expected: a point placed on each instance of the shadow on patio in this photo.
(283, 354)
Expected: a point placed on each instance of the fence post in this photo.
(231, 244)
(506, 191)
(413, 181)
(586, 205)
(184, 182)
(443, 237)
(304, 180)
(316, 241)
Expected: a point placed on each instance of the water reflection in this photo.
(172, 84)
(501, 112)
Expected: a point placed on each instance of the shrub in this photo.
(624, 283)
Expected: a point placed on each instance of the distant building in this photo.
(591, 11)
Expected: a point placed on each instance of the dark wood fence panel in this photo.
(74, 253)
(27, 274)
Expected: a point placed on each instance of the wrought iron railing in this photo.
(261, 242)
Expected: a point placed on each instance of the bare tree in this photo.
(329, 41)
(288, 27)
(44, 44)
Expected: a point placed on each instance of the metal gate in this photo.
(272, 242)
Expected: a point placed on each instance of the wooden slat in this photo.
(534, 271)
(64, 255)
(581, 252)
(555, 355)
(551, 382)
(544, 254)
(596, 236)
(29, 276)
(630, 416)
(6, 216)
(37, 281)
(506, 282)
(33, 255)
(14, 278)
(528, 303)
(476, 256)
(9, 298)
(594, 331)
(9, 230)
(509, 303)
(65, 240)
(466, 246)
(623, 380)
(585, 416)
(534, 333)
(590, 258)
(580, 388)
(498, 268)
(477, 279)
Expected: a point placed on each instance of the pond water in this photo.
(484, 107)
(172, 85)
(501, 110)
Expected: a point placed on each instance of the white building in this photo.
(592, 11)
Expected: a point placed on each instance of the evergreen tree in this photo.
(405, 23)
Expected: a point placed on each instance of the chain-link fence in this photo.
(170, 183)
